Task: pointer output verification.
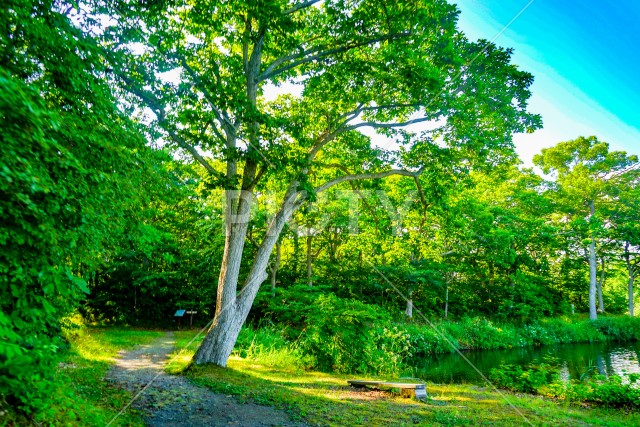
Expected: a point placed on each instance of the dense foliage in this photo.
(120, 165)
(73, 177)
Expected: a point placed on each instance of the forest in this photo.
(332, 186)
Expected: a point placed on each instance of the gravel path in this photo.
(173, 401)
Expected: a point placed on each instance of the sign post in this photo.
(191, 313)
(178, 316)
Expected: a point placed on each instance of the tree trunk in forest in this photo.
(296, 254)
(631, 271)
(232, 307)
(275, 266)
(409, 310)
(446, 301)
(599, 287)
(631, 280)
(309, 260)
(593, 314)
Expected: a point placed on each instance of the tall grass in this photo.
(484, 334)
(269, 347)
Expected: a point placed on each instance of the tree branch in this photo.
(272, 70)
(154, 105)
(386, 125)
(357, 177)
(220, 115)
(378, 107)
(300, 6)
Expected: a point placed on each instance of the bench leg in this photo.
(408, 393)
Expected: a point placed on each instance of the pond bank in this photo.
(326, 399)
(484, 334)
(573, 361)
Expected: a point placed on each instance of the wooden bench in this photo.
(415, 390)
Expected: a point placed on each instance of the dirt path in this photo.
(173, 401)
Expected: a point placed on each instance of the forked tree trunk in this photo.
(228, 320)
(593, 314)
(232, 308)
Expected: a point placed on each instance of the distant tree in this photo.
(625, 220)
(587, 175)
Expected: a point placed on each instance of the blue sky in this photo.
(585, 56)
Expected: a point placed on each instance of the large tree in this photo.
(205, 68)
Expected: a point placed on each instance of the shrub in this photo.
(342, 336)
(617, 328)
(425, 340)
(525, 380)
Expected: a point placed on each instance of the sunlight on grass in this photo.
(325, 399)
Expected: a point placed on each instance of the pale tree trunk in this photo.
(631, 280)
(309, 259)
(275, 266)
(409, 310)
(593, 314)
(631, 270)
(599, 287)
(296, 253)
(446, 301)
(450, 278)
(232, 309)
(227, 322)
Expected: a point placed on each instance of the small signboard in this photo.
(179, 313)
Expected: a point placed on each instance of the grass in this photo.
(81, 396)
(324, 399)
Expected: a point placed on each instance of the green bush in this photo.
(614, 391)
(343, 336)
(610, 391)
(524, 380)
(425, 340)
(617, 328)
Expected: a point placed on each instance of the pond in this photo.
(574, 360)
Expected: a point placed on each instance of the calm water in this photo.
(574, 359)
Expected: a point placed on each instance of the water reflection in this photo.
(575, 360)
